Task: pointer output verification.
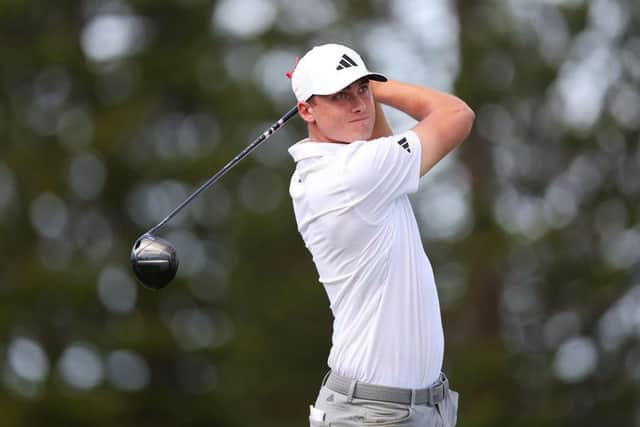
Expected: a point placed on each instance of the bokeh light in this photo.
(116, 289)
(126, 370)
(81, 366)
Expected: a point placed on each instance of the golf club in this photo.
(154, 260)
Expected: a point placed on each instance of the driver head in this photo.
(154, 261)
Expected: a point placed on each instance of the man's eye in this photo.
(364, 89)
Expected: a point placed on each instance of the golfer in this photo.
(350, 196)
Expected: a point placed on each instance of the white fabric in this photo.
(328, 69)
(353, 212)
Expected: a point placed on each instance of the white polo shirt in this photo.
(353, 212)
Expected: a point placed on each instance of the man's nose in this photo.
(357, 104)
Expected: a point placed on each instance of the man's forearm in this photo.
(416, 101)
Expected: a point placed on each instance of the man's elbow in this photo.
(469, 112)
(466, 116)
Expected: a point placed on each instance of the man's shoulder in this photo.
(358, 153)
(376, 147)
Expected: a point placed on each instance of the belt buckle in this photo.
(436, 393)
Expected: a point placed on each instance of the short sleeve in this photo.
(381, 170)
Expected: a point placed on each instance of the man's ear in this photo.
(305, 110)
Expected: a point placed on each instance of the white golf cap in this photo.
(328, 69)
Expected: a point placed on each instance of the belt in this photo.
(431, 395)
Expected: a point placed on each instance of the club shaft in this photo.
(244, 153)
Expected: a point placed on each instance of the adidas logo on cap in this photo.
(346, 62)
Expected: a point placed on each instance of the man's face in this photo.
(345, 116)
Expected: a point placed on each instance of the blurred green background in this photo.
(113, 111)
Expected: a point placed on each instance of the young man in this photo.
(349, 194)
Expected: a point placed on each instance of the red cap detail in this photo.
(289, 74)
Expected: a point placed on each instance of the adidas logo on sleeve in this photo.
(404, 144)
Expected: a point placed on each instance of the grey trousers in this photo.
(339, 412)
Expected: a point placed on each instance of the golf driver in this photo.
(154, 260)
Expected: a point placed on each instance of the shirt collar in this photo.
(306, 148)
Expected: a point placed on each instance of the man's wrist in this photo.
(379, 90)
